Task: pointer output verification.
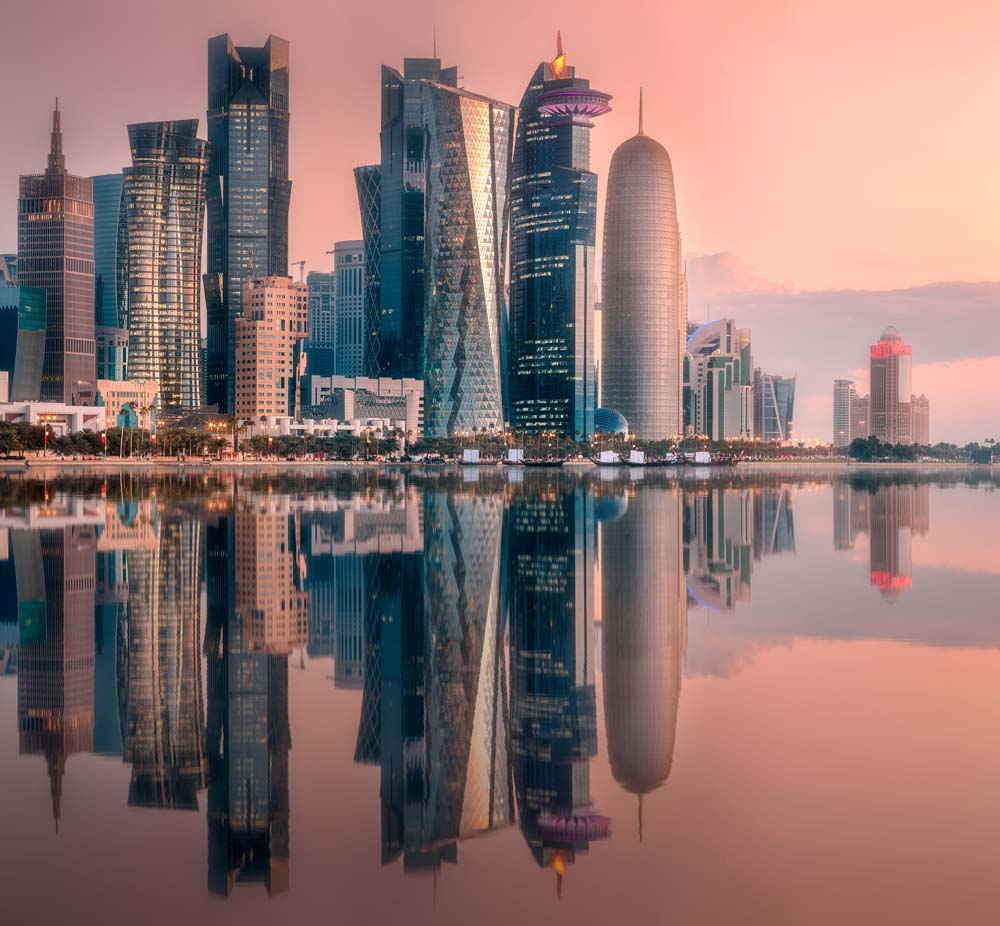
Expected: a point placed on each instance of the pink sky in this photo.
(846, 146)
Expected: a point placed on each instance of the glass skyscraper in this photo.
(320, 347)
(248, 190)
(369, 184)
(55, 252)
(773, 406)
(349, 308)
(469, 149)
(165, 206)
(644, 297)
(552, 367)
(110, 276)
(401, 182)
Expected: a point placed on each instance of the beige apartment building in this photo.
(268, 346)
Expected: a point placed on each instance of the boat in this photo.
(578, 460)
(636, 458)
(543, 461)
(607, 458)
(471, 457)
(515, 457)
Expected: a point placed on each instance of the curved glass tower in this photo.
(644, 301)
(469, 142)
(165, 208)
(553, 277)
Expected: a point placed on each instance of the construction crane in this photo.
(301, 264)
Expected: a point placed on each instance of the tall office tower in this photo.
(247, 732)
(643, 296)
(889, 381)
(368, 181)
(54, 570)
(553, 272)
(397, 208)
(320, 347)
(470, 142)
(718, 547)
(164, 730)
(920, 410)
(55, 252)
(773, 406)
(844, 392)
(110, 276)
(718, 381)
(644, 606)
(349, 308)
(248, 190)
(551, 554)
(269, 339)
(164, 193)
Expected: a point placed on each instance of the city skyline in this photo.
(99, 145)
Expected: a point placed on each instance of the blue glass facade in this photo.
(248, 190)
(400, 329)
(552, 378)
(109, 259)
(368, 180)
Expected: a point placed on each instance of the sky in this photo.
(838, 155)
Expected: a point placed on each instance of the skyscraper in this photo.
(850, 413)
(369, 185)
(55, 252)
(248, 190)
(393, 201)
(469, 147)
(110, 276)
(349, 308)
(643, 296)
(773, 406)
(321, 347)
(891, 361)
(164, 195)
(553, 273)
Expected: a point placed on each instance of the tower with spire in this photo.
(55, 252)
(644, 325)
(551, 373)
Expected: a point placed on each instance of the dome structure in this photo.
(609, 421)
(891, 334)
(645, 312)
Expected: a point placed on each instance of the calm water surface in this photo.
(493, 697)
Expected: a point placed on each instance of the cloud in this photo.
(823, 335)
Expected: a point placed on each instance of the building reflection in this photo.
(890, 513)
(551, 550)
(256, 612)
(726, 530)
(444, 736)
(55, 584)
(160, 661)
(644, 636)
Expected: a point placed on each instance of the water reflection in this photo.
(472, 619)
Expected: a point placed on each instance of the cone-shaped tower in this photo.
(645, 310)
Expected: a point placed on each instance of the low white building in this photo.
(59, 418)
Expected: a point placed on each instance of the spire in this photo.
(57, 162)
(558, 68)
(640, 796)
(640, 132)
(435, 41)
